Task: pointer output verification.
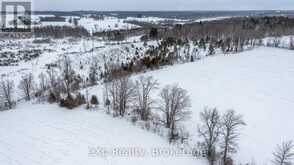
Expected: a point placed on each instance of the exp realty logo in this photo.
(16, 16)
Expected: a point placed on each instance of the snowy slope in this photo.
(107, 24)
(78, 50)
(257, 84)
(47, 134)
(92, 25)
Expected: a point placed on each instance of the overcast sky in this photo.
(146, 5)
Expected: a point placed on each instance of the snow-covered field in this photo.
(92, 25)
(47, 134)
(257, 84)
(107, 23)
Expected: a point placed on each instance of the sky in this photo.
(156, 5)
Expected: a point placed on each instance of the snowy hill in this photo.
(47, 134)
(257, 84)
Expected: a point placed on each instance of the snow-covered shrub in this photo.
(134, 119)
(69, 103)
(80, 99)
(291, 43)
(6, 94)
(229, 161)
(72, 102)
(52, 98)
(42, 41)
(94, 100)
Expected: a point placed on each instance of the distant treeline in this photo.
(186, 43)
(230, 35)
(60, 31)
(237, 29)
(119, 35)
(240, 27)
(171, 14)
(49, 32)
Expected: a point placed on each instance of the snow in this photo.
(211, 19)
(54, 24)
(110, 23)
(257, 84)
(158, 20)
(107, 24)
(46, 134)
(79, 51)
(92, 25)
(154, 20)
(281, 42)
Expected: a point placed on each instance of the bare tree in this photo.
(284, 154)
(174, 104)
(43, 82)
(93, 71)
(231, 123)
(42, 88)
(144, 87)
(6, 90)
(26, 86)
(291, 43)
(209, 131)
(106, 97)
(55, 85)
(86, 87)
(52, 78)
(122, 94)
(68, 76)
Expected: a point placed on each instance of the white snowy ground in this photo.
(108, 24)
(47, 134)
(257, 84)
(92, 25)
(153, 20)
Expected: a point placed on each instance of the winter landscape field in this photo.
(114, 85)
